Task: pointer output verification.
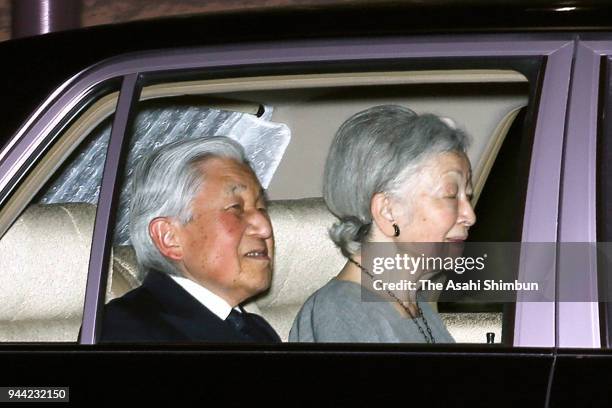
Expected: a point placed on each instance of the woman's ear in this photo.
(164, 234)
(382, 214)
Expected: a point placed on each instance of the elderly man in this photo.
(199, 226)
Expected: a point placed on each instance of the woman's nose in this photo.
(467, 216)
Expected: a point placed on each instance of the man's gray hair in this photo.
(380, 149)
(164, 184)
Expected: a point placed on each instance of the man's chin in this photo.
(263, 281)
(267, 281)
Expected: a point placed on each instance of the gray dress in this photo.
(337, 313)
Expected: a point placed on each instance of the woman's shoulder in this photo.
(334, 313)
(335, 292)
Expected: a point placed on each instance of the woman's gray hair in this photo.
(164, 184)
(380, 149)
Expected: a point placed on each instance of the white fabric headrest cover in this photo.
(306, 258)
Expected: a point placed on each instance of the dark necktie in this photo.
(239, 321)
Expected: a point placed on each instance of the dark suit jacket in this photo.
(161, 311)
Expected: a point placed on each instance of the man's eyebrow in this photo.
(238, 188)
(235, 188)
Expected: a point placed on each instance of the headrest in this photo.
(306, 258)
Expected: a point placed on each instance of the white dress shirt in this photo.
(211, 301)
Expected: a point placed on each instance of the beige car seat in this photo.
(43, 271)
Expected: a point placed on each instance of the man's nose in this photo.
(260, 224)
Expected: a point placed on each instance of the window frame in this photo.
(534, 324)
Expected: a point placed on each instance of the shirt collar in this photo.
(211, 301)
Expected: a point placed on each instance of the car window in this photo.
(293, 119)
(47, 228)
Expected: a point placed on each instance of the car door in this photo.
(583, 317)
(529, 331)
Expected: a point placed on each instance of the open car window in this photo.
(302, 113)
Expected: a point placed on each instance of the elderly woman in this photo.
(391, 176)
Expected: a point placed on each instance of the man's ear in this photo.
(163, 232)
(382, 215)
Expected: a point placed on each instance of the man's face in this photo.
(228, 246)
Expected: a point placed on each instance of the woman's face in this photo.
(439, 208)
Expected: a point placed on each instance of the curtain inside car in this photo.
(157, 124)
